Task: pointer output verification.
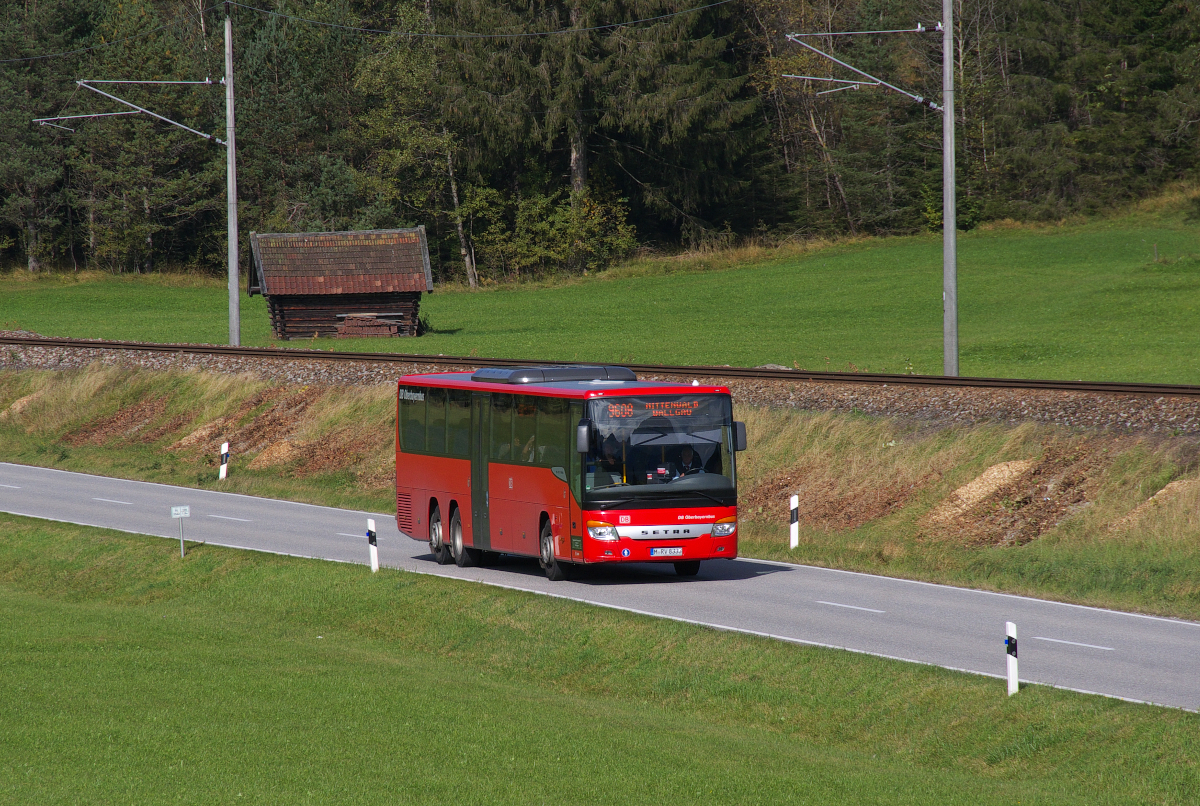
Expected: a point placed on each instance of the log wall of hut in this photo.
(299, 316)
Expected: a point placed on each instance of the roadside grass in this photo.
(1078, 300)
(1086, 526)
(132, 675)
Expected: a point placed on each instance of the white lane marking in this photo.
(785, 638)
(1073, 643)
(111, 501)
(960, 589)
(852, 607)
(227, 518)
(10, 486)
(343, 534)
(197, 491)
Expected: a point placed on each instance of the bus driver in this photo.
(689, 462)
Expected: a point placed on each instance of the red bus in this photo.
(574, 465)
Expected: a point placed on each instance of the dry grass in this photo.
(311, 443)
(849, 470)
(852, 470)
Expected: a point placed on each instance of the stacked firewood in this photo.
(352, 327)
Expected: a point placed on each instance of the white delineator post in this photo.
(372, 546)
(1010, 644)
(224, 471)
(795, 520)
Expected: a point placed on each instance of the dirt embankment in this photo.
(971, 486)
(278, 429)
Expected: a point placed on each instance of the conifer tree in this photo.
(36, 218)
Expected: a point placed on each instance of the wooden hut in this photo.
(341, 283)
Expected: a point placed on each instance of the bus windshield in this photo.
(673, 446)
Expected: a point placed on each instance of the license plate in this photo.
(673, 551)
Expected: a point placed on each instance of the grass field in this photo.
(130, 675)
(1078, 301)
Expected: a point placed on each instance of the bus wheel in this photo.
(555, 571)
(687, 568)
(463, 557)
(437, 542)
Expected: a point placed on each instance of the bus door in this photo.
(480, 522)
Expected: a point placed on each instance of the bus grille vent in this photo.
(404, 517)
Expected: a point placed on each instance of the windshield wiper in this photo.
(706, 495)
(616, 502)
(677, 493)
(610, 486)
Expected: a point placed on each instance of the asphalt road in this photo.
(1127, 655)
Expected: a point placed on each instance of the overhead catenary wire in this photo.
(920, 29)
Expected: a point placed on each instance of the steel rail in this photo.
(752, 373)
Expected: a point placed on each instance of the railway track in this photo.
(749, 373)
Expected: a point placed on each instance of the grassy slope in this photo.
(1076, 301)
(131, 675)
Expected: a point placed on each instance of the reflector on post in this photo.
(794, 520)
(1010, 644)
(372, 545)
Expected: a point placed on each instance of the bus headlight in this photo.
(600, 530)
(724, 528)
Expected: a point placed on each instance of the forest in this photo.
(540, 136)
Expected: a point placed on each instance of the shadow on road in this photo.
(634, 573)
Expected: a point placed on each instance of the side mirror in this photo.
(739, 436)
(583, 436)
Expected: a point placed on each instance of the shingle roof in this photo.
(366, 262)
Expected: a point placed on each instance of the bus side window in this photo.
(435, 420)
(525, 430)
(501, 449)
(458, 423)
(412, 419)
(552, 432)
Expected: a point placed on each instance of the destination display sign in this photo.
(652, 408)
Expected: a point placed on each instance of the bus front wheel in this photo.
(437, 542)
(555, 571)
(464, 557)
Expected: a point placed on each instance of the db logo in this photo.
(624, 519)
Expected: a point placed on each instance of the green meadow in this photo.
(1080, 300)
(131, 675)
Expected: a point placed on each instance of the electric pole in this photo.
(235, 316)
(949, 202)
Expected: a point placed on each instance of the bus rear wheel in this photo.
(555, 571)
(464, 557)
(687, 568)
(437, 542)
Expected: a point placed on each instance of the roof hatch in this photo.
(553, 374)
